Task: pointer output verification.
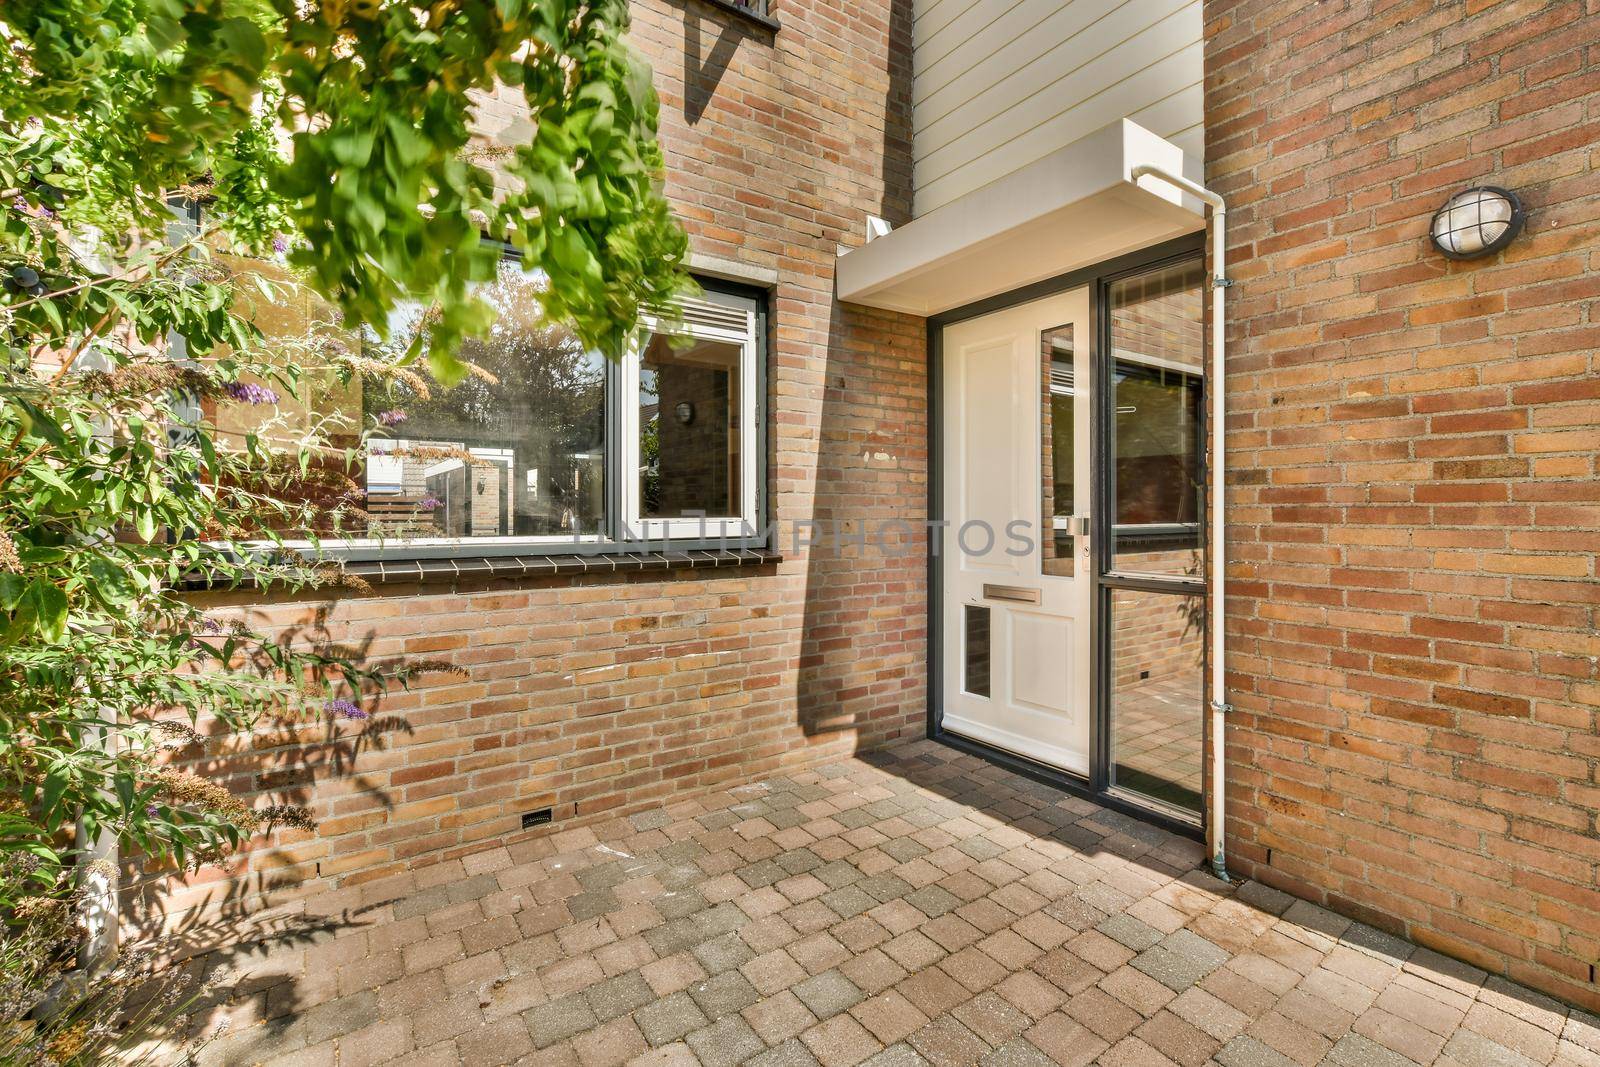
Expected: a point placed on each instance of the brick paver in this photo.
(910, 907)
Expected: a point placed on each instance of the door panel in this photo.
(989, 492)
(1041, 675)
(1015, 395)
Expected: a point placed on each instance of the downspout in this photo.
(1217, 559)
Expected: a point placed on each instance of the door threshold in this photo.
(1073, 784)
(1155, 805)
(1057, 759)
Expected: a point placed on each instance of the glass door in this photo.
(1152, 620)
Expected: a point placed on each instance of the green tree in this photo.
(341, 134)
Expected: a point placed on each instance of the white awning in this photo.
(1073, 208)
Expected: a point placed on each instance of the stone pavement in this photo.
(909, 907)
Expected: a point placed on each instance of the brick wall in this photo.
(1413, 491)
(604, 696)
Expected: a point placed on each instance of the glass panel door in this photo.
(1158, 686)
(1152, 619)
(1157, 382)
(1058, 451)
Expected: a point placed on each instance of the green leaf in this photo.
(50, 609)
(50, 793)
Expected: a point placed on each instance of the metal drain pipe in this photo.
(1218, 559)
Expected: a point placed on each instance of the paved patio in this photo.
(917, 906)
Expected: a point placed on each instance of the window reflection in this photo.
(1158, 695)
(1058, 452)
(975, 661)
(689, 454)
(1158, 349)
(517, 449)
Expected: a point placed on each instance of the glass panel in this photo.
(976, 659)
(1158, 695)
(517, 449)
(689, 428)
(1158, 345)
(1056, 451)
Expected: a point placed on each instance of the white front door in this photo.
(1015, 557)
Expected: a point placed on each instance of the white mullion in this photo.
(749, 439)
(632, 521)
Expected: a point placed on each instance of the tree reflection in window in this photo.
(518, 449)
(1158, 391)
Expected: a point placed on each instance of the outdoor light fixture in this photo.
(1476, 222)
(685, 412)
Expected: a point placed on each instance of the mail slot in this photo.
(1019, 593)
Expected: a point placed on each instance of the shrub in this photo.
(337, 138)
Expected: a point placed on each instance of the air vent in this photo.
(708, 315)
(530, 819)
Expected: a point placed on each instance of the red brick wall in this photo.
(604, 696)
(1413, 492)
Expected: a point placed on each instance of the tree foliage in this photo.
(339, 136)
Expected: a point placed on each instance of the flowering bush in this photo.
(53, 1015)
(335, 139)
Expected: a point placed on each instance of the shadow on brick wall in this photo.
(280, 761)
(863, 666)
(703, 69)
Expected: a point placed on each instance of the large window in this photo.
(517, 450)
(546, 446)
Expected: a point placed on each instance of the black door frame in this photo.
(1098, 278)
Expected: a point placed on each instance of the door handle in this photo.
(1080, 525)
(1020, 594)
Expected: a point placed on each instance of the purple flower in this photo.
(40, 212)
(345, 709)
(151, 810)
(392, 418)
(429, 503)
(280, 244)
(250, 393)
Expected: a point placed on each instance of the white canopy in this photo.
(1073, 208)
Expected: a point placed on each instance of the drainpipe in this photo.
(1219, 706)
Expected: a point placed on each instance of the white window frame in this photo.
(714, 316)
(730, 316)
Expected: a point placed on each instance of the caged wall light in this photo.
(1476, 222)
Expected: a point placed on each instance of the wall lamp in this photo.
(1476, 222)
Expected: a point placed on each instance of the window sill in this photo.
(387, 571)
(765, 21)
(451, 568)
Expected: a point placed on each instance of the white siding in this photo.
(1000, 83)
